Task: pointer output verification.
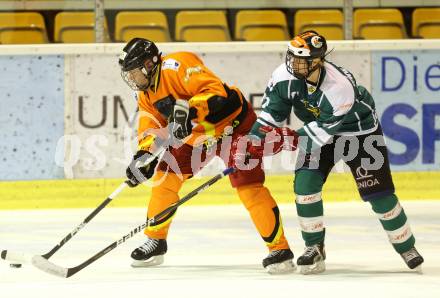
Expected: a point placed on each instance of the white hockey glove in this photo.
(180, 120)
(137, 171)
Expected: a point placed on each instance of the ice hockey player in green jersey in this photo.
(340, 122)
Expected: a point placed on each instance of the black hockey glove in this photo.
(180, 119)
(138, 172)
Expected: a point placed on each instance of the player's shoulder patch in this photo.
(171, 64)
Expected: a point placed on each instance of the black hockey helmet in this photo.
(307, 45)
(139, 54)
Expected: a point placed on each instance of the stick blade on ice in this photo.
(49, 267)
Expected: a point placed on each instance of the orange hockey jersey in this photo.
(182, 75)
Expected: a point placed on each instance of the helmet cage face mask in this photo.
(136, 79)
(302, 51)
(140, 79)
(300, 67)
(139, 62)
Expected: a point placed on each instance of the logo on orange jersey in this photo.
(190, 71)
(170, 64)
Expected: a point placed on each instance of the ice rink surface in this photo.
(214, 251)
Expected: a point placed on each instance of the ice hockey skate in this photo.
(279, 262)
(413, 259)
(312, 260)
(149, 254)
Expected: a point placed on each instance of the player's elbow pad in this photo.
(221, 107)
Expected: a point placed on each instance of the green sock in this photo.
(308, 185)
(394, 221)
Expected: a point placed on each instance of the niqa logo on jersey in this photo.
(364, 180)
(362, 173)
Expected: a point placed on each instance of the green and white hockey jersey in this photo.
(335, 106)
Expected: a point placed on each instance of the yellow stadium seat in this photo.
(76, 27)
(205, 25)
(426, 22)
(327, 22)
(261, 25)
(386, 23)
(152, 25)
(22, 28)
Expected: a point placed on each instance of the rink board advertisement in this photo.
(81, 102)
(406, 88)
(32, 116)
(99, 105)
(98, 108)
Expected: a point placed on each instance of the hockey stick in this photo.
(17, 257)
(43, 264)
(20, 258)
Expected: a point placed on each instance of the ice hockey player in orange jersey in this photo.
(181, 100)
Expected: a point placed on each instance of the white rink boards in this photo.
(214, 251)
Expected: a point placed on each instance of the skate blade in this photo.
(281, 268)
(153, 261)
(316, 268)
(418, 269)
